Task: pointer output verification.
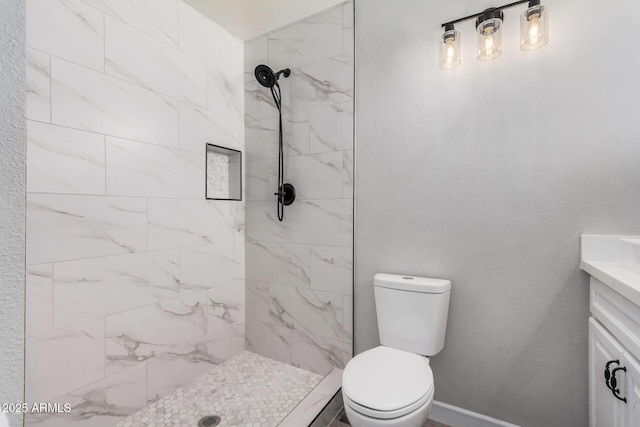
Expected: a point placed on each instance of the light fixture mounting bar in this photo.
(475, 15)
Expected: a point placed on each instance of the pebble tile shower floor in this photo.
(246, 390)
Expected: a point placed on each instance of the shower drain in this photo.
(209, 421)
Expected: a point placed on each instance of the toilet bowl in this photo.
(387, 387)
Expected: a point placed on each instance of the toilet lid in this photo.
(386, 379)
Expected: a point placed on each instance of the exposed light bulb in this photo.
(449, 48)
(489, 39)
(533, 30)
(451, 53)
(534, 27)
(488, 44)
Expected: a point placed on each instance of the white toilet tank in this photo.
(412, 312)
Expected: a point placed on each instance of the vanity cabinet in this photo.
(614, 353)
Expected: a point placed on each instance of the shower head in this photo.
(267, 78)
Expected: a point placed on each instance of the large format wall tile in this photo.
(39, 293)
(225, 98)
(259, 103)
(348, 23)
(156, 18)
(98, 287)
(347, 334)
(147, 170)
(323, 222)
(84, 99)
(65, 227)
(133, 56)
(317, 354)
(236, 338)
(297, 128)
(257, 176)
(327, 82)
(175, 223)
(131, 272)
(317, 176)
(261, 138)
(256, 52)
(63, 160)
(308, 41)
(167, 373)
(226, 306)
(257, 304)
(104, 402)
(308, 311)
(204, 39)
(67, 29)
(332, 128)
(159, 329)
(263, 224)
(332, 269)
(199, 127)
(283, 263)
(269, 340)
(299, 271)
(38, 86)
(347, 174)
(212, 265)
(63, 360)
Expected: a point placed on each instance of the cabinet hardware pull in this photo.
(614, 384)
(607, 373)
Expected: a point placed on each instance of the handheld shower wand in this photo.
(286, 192)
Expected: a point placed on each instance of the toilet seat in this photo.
(387, 383)
(373, 413)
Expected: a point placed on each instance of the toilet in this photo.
(392, 385)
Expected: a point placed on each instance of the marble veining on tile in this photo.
(135, 282)
(63, 160)
(67, 29)
(327, 82)
(88, 100)
(65, 227)
(307, 41)
(299, 271)
(38, 86)
(93, 288)
(135, 57)
(39, 294)
(245, 390)
(156, 18)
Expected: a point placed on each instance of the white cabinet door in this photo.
(604, 409)
(632, 389)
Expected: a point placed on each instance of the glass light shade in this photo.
(534, 29)
(489, 39)
(449, 50)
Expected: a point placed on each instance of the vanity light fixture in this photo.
(533, 33)
(449, 48)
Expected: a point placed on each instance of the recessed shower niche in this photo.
(224, 173)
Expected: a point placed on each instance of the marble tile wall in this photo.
(135, 282)
(299, 272)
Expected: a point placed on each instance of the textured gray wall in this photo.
(487, 175)
(12, 153)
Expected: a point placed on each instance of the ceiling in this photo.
(247, 19)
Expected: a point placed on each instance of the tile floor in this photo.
(246, 390)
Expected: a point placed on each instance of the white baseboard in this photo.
(458, 417)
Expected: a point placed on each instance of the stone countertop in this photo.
(602, 257)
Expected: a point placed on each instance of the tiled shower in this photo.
(135, 282)
(299, 271)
